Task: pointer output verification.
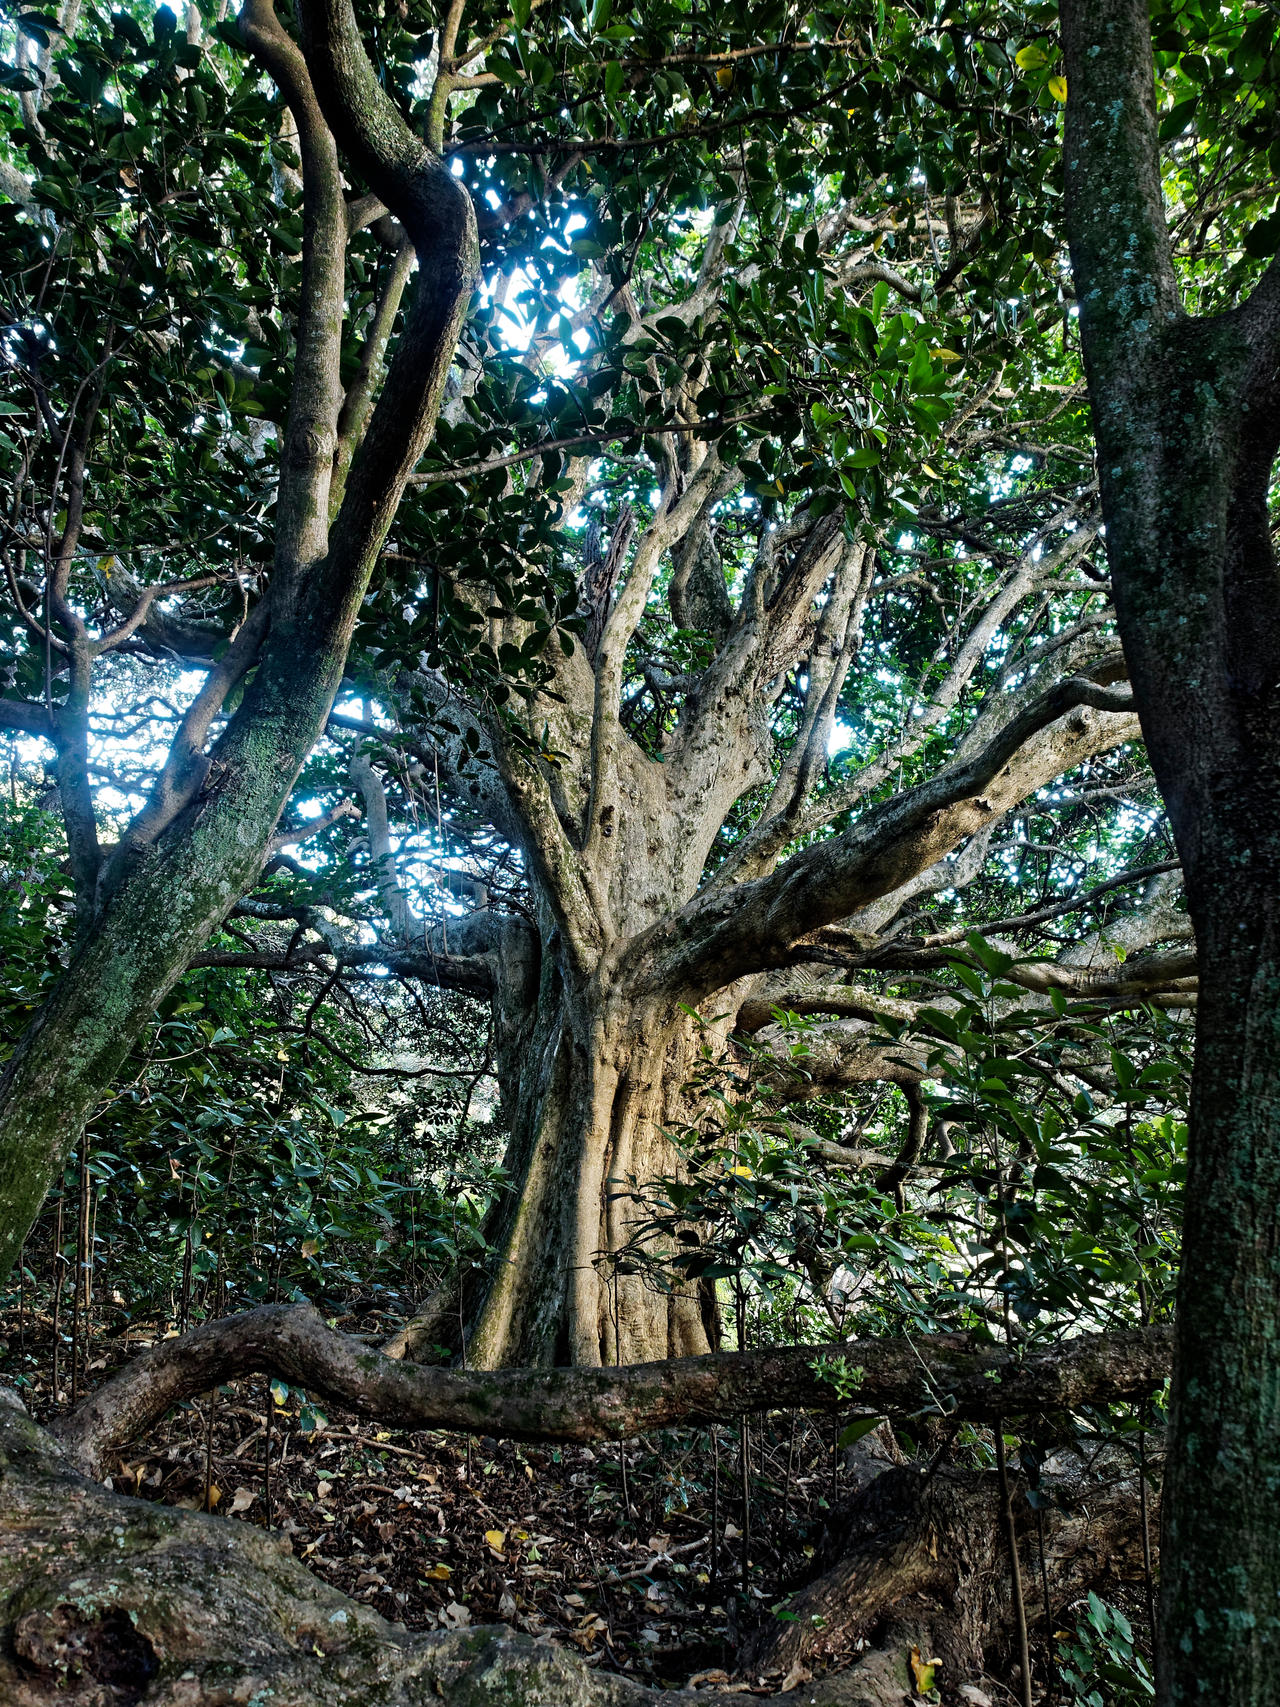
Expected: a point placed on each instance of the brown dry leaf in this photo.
(241, 1500)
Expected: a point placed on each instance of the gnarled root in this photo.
(920, 1560)
(108, 1601)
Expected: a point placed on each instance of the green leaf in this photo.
(856, 1430)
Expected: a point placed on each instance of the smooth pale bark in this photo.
(1187, 420)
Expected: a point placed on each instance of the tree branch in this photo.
(722, 935)
(306, 463)
(900, 1378)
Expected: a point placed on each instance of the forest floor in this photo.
(634, 1556)
(645, 1559)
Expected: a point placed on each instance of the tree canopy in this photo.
(570, 601)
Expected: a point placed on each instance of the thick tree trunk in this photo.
(601, 1084)
(1188, 417)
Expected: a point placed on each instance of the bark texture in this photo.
(926, 1551)
(941, 1372)
(1187, 414)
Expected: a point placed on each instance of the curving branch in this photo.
(945, 1374)
(302, 509)
(721, 936)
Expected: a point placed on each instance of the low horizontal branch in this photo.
(943, 1373)
(471, 973)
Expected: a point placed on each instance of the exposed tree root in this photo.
(922, 1559)
(947, 1372)
(108, 1601)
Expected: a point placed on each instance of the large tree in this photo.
(668, 553)
(722, 575)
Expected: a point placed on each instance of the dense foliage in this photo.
(775, 336)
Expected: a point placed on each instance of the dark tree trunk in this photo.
(1187, 421)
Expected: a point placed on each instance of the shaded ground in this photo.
(633, 1556)
(645, 1560)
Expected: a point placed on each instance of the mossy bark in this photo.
(107, 1601)
(1187, 414)
(169, 889)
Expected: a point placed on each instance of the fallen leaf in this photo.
(242, 1500)
(496, 1538)
(456, 1616)
(438, 1573)
(323, 1490)
(923, 1671)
